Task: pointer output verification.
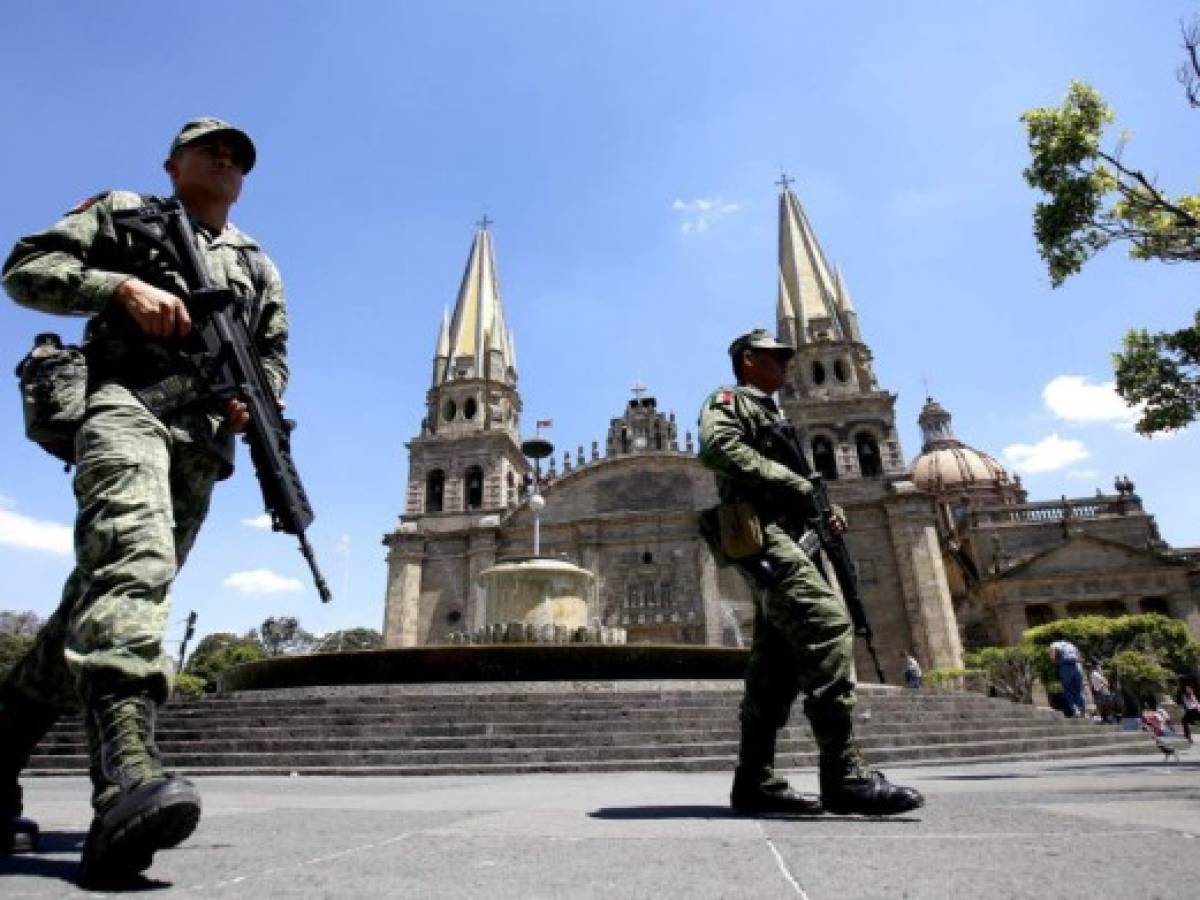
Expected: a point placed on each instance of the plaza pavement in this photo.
(1125, 827)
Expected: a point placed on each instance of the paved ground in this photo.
(1125, 827)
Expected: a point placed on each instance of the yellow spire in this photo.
(805, 278)
(477, 325)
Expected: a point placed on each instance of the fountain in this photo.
(535, 599)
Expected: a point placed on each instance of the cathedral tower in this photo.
(467, 458)
(832, 394)
(849, 426)
(465, 468)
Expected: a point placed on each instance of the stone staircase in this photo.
(466, 729)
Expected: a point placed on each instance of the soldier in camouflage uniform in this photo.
(148, 453)
(803, 639)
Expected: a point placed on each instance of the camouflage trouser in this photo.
(803, 641)
(142, 494)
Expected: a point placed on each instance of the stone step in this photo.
(394, 738)
(679, 757)
(1005, 712)
(794, 752)
(426, 729)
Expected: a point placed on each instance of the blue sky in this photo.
(627, 152)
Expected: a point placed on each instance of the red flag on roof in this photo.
(545, 423)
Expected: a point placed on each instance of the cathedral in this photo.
(949, 551)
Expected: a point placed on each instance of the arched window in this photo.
(840, 370)
(818, 372)
(474, 487)
(823, 458)
(435, 490)
(511, 493)
(869, 462)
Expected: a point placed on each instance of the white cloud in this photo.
(1049, 454)
(262, 581)
(263, 522)
(26, 533)
(700, 214)
(1078, 401)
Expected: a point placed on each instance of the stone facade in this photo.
(1013, 563)
(629, 515)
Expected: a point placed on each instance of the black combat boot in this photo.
(757, 790)
(850, 787)
(22, 724)
(140, 809)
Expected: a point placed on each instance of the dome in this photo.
(947, 468)
(946, 463)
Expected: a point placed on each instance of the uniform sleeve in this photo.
(724, 449)
(55, 271)
(272, 335)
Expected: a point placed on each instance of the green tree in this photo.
(1095, 198)
(12, 648)
(1162, 645)
(221, 651)
(1010, 671)
(349, 639)
(283, 635)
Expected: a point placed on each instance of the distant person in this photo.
(912, 671)
(1101, 694)
(151, 447)
(803, 640)
(1155, 719)
(1190, 705)
(1070, 675)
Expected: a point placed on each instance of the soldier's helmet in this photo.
(760, 339)
(206, 128)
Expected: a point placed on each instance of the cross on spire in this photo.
(784, 182)
(485, 222)
(638, 389)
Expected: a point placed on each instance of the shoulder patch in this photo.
(82, 205)
(723, 397)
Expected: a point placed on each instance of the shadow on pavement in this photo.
(631, 813)
(664, 812)
(996, 777)
(58, 843)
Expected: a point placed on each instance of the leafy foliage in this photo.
(221, 651)
(1151, 650)
(12, 648)
(1009, 671)
(187, 685)
(24, 623)
(955, 679)
(349, 639)
(1140, 674)
(1094, 199)
(283, 634)
(1162, 371)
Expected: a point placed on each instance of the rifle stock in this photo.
(221, 348)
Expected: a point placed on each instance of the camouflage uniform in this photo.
(803, 640)
(142, 482)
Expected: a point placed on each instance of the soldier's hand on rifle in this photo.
(156, 312)
(837, 520)
(237, 416)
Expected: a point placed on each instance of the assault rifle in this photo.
(221, 348)
(784, 447)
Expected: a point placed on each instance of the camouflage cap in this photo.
(759, 339)
(207, 127)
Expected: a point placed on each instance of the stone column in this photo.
(402, 607)
(912, 522)
(481, 554)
